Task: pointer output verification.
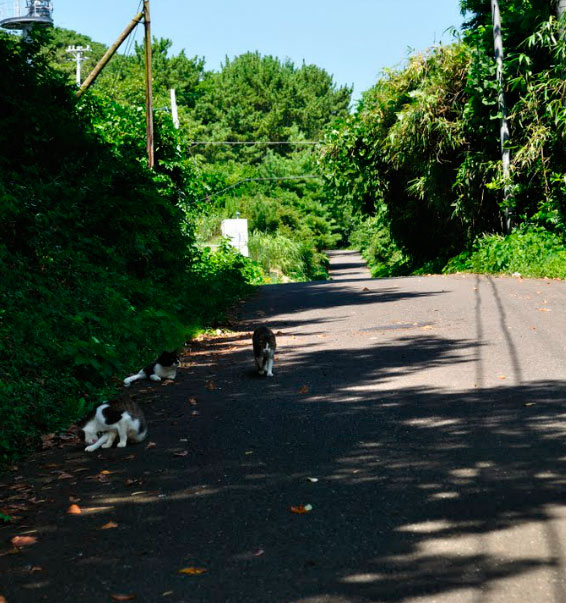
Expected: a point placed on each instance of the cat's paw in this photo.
(121, 444)
(155, 377)
(90, 448)
(108, 444)
(270, 374)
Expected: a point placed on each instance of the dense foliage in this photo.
(417, 165)
(99, 269)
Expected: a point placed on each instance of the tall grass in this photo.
(279, 256)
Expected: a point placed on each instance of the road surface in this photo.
(423, 419)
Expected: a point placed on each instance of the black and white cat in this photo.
(165, 367)
(264, 343)
(121, 419)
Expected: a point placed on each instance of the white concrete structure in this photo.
(237, 231)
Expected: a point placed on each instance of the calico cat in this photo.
(120, 418)
(264, 350)
(165, 367)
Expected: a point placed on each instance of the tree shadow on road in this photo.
(416, 486)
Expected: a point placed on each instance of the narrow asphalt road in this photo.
(423, 419)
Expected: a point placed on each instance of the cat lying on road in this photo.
(165, 367)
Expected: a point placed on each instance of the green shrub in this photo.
(531, 251)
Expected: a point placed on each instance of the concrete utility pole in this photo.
(504, 129)
(148, 86)
(174, 112)
(78, 52)
(560, 7)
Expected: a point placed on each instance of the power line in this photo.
(250, 142)
(305, 177)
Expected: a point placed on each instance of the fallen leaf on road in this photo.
(150, 445)
(259, 553)
(313, 479)
(105, 472)
(193, 570)
(109, 525)
(23, 540)
(64, 475)
(544, 310)
(211, 386)
(74, 499)
(33, 569)
(301, 509)
(184, 453)
(303, 389)
(74, 510)
(3, 599)
(192, 401)
(529, 404)
(117, 597)
(502, 377)
(365, 289)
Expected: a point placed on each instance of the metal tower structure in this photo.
(37, 13)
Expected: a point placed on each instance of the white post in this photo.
(560, 8)
(174, 112)
(504, 129)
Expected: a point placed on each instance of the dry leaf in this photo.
(529, 404)
(211, 386)
(313, 479)
(544, 310)
(303, 389)
(109, 525)
(184, 453)
(117, 597)
(20, 541)
(3, 599)
(192, 401)
(301, 509)
(74, 499)
(74, 510)
(150, 445)
(193, 570)
(64, 475)
(502, 377)
(365, 289)
(259, 553)
(105, 472)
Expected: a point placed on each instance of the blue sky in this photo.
(353, 40)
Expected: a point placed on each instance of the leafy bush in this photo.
(530, 251)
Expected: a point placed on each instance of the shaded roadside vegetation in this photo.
(98, 264)
(103, 262)
(417, 166)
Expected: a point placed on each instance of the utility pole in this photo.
(77, 52)
(174, 112)
(560, 8)
(504, 129)
(148, 86)
(108, 55)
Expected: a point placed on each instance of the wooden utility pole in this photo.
(108, 55)
(504, 129)
(148, 86)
